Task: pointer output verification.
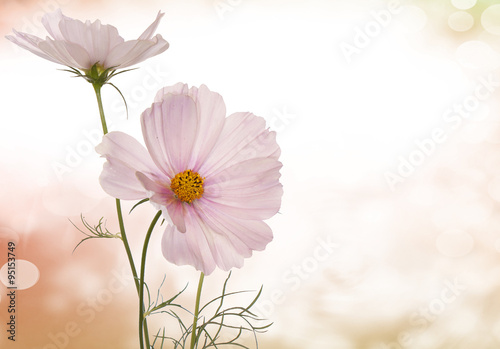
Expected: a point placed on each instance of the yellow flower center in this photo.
(187, 186)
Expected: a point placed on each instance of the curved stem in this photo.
(132, 265)
(196, 310)
(125, 242)
(97, 89)
(141, 280)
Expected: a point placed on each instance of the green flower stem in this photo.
(141, 280)
(125, 243)
(196, 311)
(132, 266)
(97, 89)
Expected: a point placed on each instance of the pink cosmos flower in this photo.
(215, 178)
(81, 45)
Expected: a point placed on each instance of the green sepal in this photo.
(97, 75)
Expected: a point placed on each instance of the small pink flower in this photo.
(215, 178)
(82, 45)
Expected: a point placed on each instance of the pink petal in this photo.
(30, 43)
(66, 53)
(161, 188)
(169, 129)
(213, 240)
(148, 33)
(126, 148)
(245, 235)
(95, 38)
(156, 46)
(162, 197)
(190, 248)
(246, 190)
(134, 51)
(81, 45)
(177, 89)
(177, 211)
(103, 39)
(211, 114)
(121, 53)
(119, 180)
(243, 137)
(125, 156)
(224, 253)
(51, 23)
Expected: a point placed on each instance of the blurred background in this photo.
(387, 113)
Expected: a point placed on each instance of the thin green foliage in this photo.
(137, 204)
(98, 231)
(224, 327)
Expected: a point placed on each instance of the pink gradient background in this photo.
(354, 264)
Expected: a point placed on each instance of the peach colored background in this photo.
(358, 91)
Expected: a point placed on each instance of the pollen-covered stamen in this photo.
(187, 186)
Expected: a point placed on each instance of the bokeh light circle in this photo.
(27, 274)
(490, 19)
(454, 243)
(460, 21)
(411, 19)
(463, 4)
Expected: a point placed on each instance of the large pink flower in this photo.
(81, 45)
(215, 178)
